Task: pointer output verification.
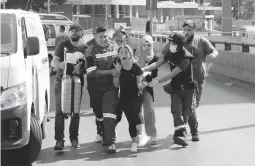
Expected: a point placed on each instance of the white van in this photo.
(53, 21)
(25, 84)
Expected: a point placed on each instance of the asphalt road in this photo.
(226, 125)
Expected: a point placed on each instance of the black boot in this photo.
(180, 137)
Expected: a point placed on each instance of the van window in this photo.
(8, 34)
(52, 32)
(57, 18)
(30, 26)
(24, 33)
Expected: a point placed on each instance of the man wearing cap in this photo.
(74, 47)
(103, 94)
(182, 84)
(201, 49)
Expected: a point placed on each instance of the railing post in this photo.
(227, 46)
(158, 39)
(245, 48)
(163, 40)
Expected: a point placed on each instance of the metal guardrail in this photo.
(227, 44)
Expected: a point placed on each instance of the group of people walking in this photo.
(120, 80)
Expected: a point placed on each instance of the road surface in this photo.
(226, 125)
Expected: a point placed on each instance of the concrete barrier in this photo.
(236, 60)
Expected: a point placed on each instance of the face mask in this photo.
(75, 38)
(173, 48)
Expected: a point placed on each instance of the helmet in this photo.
(177, 38)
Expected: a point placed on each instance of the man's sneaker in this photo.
(75, 143)
(99, 139)
(195, 138)
(59, 145)
(181, 141)
(143, 139)
(153, 140)
(111, 149)
(133, 148)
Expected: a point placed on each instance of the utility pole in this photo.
(238, 9)
(49, 6)
(151, 6)
(106, 14)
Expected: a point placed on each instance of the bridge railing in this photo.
(236, 60)
(227, 44)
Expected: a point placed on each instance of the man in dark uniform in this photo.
(74, 46)
(201, 49)
(182, 84)
(103, 94)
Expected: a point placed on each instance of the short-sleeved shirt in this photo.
(128, 81)
(199, 47)
(181, 59)
(59, 52)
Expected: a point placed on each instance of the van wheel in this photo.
(33, 148)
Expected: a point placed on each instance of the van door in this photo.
(51, 37)
(40, 66)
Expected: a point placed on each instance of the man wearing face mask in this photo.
(182, 83)
(74, 46)
(103, 94)
(201, 49)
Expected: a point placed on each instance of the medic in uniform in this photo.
(182, 83)
(103, 94)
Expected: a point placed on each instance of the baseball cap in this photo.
(190, 23)
(75, 26)
(177, 38)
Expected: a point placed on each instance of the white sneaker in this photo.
(99, 139)
(133, 147)
(143, 139)
(153, 140)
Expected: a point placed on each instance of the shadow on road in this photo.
(227, 129)
(96, 152)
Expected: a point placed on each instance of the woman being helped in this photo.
(131, 95)
(145, 56)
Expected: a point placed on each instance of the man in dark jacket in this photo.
(182, 83)
(103, 94)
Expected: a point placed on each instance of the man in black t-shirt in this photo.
(75, 49)
(182, 84)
